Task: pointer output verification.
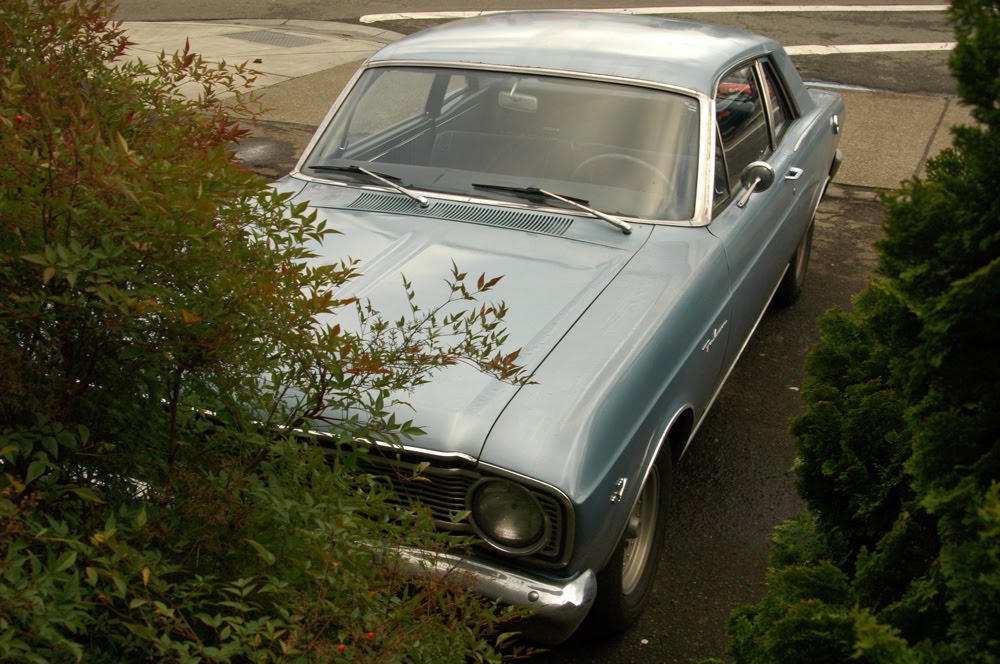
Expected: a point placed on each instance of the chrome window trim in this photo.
(792, 115)
(703, 186)
(758, 68)
(544, 71)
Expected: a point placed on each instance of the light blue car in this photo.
(646, 187)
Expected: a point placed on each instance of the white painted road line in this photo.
(868, 48)
(721, 9)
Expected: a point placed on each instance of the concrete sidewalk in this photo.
(303, 65)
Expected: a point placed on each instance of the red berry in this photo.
(18, 118)
(371, 635)
(341, 648)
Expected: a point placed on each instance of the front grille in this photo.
(443, 489)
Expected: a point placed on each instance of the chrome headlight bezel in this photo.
(486, 526)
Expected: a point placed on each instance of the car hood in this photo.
(548, 281)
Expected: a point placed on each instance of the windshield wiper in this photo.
(387, 180)
(535, 192)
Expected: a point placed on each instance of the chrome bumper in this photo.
(558, 608)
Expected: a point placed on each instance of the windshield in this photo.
(624, 149)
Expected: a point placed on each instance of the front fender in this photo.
(651, 346)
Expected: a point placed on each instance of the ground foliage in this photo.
(157, 355)
(898, 557)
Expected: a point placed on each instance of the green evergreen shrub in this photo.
(899, 461)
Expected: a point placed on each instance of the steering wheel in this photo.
(629, 159)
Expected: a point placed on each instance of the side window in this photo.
(739, 113)
(456, 84)
(781, 113)
(457, 93)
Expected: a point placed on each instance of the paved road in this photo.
(899, 72)
(888, 133)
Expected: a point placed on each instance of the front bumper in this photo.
(558, 608)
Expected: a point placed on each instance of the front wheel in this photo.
(624, 584)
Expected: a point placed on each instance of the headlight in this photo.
(507, 516)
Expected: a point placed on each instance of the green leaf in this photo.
(265, 555)
(65, 561)
(87, 494)
(35, 470)
(211, 621)
(121, 588)
(51, 445)
(459, 516)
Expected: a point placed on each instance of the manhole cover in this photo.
(272, 38)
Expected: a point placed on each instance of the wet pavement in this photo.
(735, 483)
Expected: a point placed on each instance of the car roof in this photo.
(681, 54)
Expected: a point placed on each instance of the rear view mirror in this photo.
(516, 101)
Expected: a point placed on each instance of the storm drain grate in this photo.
(272, 38)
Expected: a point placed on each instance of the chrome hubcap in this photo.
(639, 533)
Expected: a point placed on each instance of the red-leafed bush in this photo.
(158, 352)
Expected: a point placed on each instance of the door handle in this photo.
(794, 173)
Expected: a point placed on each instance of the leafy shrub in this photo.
(158, 352)
(899, 461)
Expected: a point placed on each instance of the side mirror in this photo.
(757, 176)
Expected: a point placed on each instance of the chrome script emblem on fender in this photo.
(715, 335)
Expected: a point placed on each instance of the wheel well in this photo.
(679, 433)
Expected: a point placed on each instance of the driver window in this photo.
(742, 126)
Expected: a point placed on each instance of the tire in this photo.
(790, 288)
(624, 584)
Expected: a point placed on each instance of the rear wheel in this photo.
(791, 284)
(624, 584)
